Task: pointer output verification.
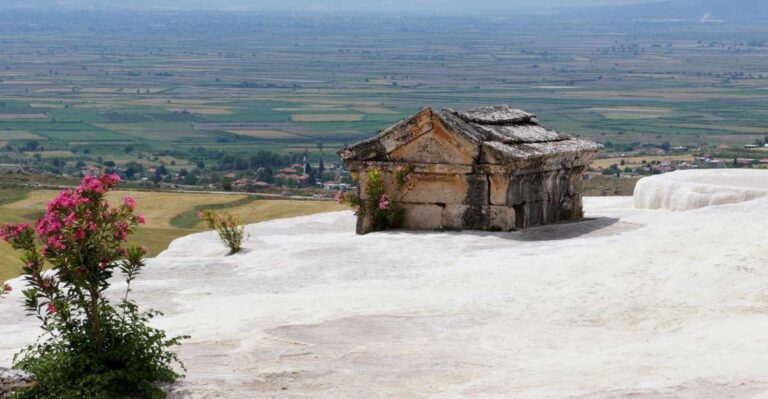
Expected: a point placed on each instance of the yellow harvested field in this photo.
(738, 129)
(265, 134)
(100, 90)
(35, 200)
(195, 59)
(327, 117)
(263, 210)
(55, 89)
(98, 105)
(637, 161)
(19, 135)
(129, 90)
(203, 111)
(51, 154)
(632, 109)
(14, 117)
(174, 101)
(309, 107)
(550, 87)
(46, 105)
(374, 110)
(687, 94)
(632, 112)
(26, 82)
(159, 208)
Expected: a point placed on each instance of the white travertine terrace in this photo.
(691, 189)
(628, 303)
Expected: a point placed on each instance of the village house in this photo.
(335, 185)
(91, 171)
(488, 168)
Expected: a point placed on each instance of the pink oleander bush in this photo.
(379, 206)
(91, 347)
(231, 230)
(404, 177)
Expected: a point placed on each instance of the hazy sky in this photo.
(329, 5)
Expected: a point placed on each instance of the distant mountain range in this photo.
(687, 10)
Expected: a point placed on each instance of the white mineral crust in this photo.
(690, 189)
(631, 302)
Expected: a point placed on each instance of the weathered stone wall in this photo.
(494, 168)
(452, 197)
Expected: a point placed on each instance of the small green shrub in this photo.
(383, 213)
(230, 229)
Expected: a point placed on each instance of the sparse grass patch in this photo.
(189, 219)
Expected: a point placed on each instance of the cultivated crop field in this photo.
(242, 81)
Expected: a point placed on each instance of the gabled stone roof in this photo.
(503, 132)
(503, 124)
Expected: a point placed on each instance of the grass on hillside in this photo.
(169, 215)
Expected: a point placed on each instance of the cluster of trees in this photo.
(231, 161)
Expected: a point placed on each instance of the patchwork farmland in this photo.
(266, 82)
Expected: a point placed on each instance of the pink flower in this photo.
(51, 308)
(129, 202)
(140, 219)
(384, 202)
(399, 168)
(109, 180)
(11, 231)
(201, 215)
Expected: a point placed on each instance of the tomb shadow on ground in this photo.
(600, 226)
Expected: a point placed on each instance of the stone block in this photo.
(477, 190)
(453, 216)
(423, 216)
(476, 217)
(499, 189)
(502, 218)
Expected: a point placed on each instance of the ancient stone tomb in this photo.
(488, 168)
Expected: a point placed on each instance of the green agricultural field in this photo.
(339, 84)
